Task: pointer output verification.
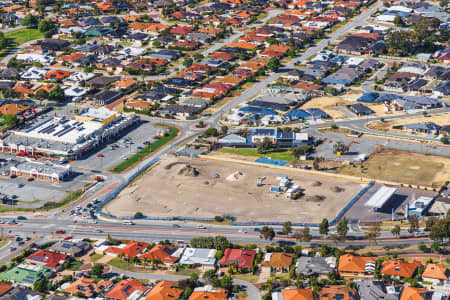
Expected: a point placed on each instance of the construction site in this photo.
(205, 188)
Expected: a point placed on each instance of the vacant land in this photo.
(442, 119)
(205, 188)
(328, 105)
(283, 154)
(404, 167)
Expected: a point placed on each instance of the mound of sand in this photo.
(188, 170)
(337, 189)
(315, 198)
(235, 176)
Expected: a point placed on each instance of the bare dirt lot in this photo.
(205, 188)
(442, 120)
(328, 104)
(404, 167)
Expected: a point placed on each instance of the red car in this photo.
(60, 232)
(67, 238)
(32, 245)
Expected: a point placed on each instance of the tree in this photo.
(30, 21)
(287, 227)
(297, 152)
(224, 129)
(443, 3)
(413, 223)
(398, 21)
(211, 132)
(264, 146)
(396, 230)
(198, 57)
(323, 227)
(342, 228)
(268, 233)
(138, 214)
(3, 41)
(436, 246)
(303, 235)
(188, 61)
(210, 276)
(40, 285)
(9, 120)
(46, 26)
(56, 94)
(226, 282)
(340, 147)
(97, 270)
(193, 277)
(440, 230)
(41, 94)
(373, 232)
(274, 64)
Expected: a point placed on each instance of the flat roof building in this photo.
(41, 171)
(379, 199)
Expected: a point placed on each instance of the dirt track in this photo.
(172, 189)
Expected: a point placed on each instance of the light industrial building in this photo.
(71, 138)
(40, 171)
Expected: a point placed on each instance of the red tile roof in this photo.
(125, 288)
(132, 249)
(4, 288)
(47, 258)
(400, 268)
(242, 258)
(161, 252)
(164, 290)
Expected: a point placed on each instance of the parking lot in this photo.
(116, 151)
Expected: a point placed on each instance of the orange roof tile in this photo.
(332, 292)
(71, 57)
(57, 74)
(243, 45)
(216, 295)
(125, 288)
(279, 260)
(351, 263)
(87, 286)
(125, 83)
(436, 271)
(400, 268)
(4, 288)
(13, 109)
(137, 104)
(410, 293)
(297, 294)
(161, 252)
(164, 290)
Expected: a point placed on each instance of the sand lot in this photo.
(328, 104)
(204, 188)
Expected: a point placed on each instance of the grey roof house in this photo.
(309, 266)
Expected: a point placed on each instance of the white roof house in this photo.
(132, 51)
(34, 73)
(80, 76)
(33, 57)
(75, 91)
(198, 256)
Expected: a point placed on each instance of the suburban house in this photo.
(208, 292)
(370, 289)
(72, 248)
(356, 266)
(47, 259)
(129, 250)
(243, 259)
(340, 292)
(164, 290)
(425, 127)
(278, 137)
(198, 257)
(437, 274)
(293, 294)
(126, 289)
(87, 287)
(320, 266)
(278, 261)
(400, 269)
(360, 109)
(163, 253)
(416, 293)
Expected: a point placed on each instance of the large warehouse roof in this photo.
(383, 194)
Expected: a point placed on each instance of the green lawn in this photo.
(24, 35)
(282, 154)
(142, 154)
(18, 37)
(119, 264)
(75, 265)
(95, 257)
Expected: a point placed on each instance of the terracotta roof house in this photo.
(436, 273)
(278, 261)
(356, 266)
(181, 30)
(243, 45)
(13, 109)
(47, 259)
(124, 289)
(242, 258)
(208, 293)
(137, 105)
(87, 287)
(162, 253)
(164, 290)
(337, 292)
(131, 249)
(57, 75)
(5, 288)
(125, 83)
(410, 293)
(399, 268)
(293, 294)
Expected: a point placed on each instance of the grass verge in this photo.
(94, 257)
(142, 154)
(282, 154)
(19, 37)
